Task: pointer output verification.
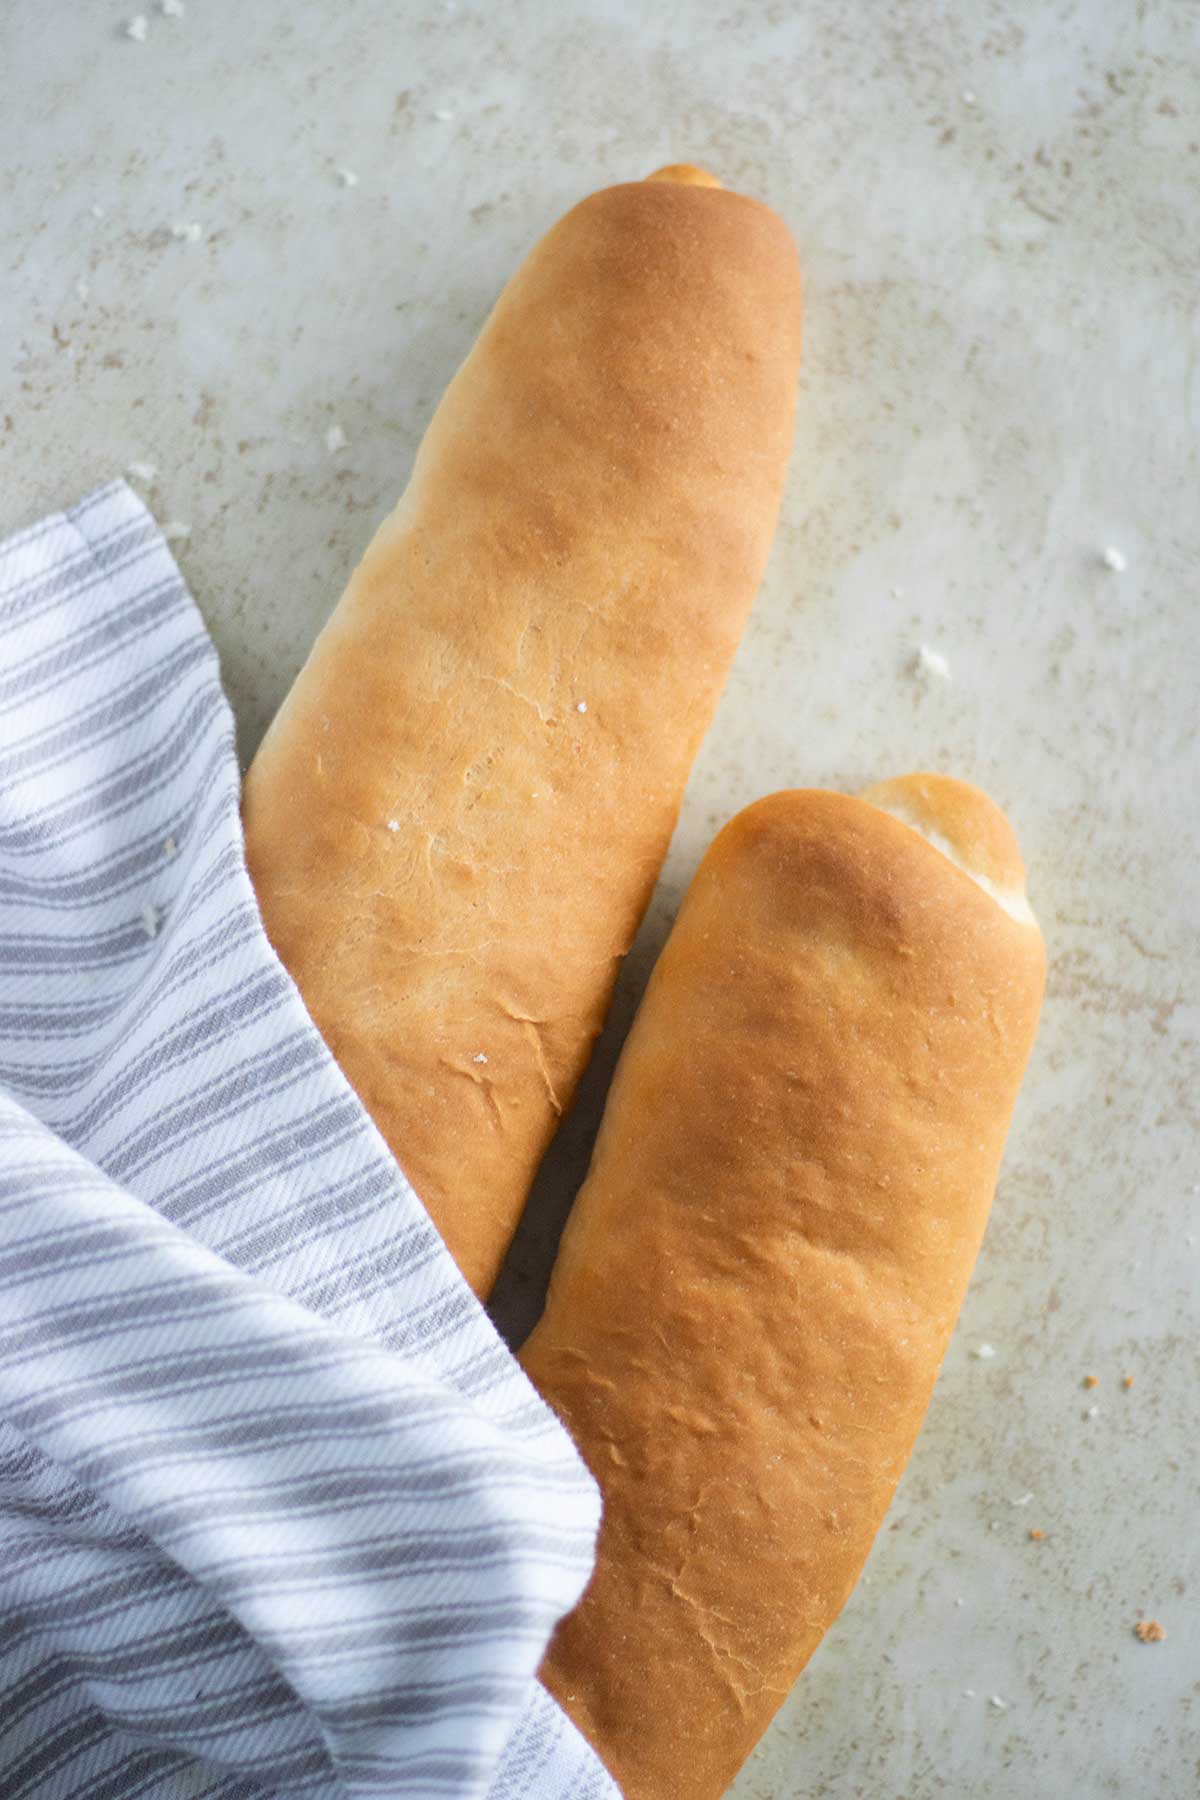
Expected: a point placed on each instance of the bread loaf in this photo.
(762, 1270)
(455, 821)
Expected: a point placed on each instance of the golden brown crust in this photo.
(763, 1268)
(455, 821)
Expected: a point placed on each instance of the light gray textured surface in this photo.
(999, 216)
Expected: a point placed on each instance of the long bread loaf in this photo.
(762, 1270)
(455, 821)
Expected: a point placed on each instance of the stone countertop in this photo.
(261, 223)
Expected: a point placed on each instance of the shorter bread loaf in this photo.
(762, 1271)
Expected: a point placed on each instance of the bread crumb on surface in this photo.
(1149, 1631)
(931, 664)
(347, 177)
(1127, 1382)
(143, 471)
(1022, 1500)
(1093, 1412)
(187, 231)
(335, 440)
(1038, 1535)
(1115, 559)
(150, 918)
(175, 531)
(393, 824)
(169, 847)
(969, 1693)
(479, 1057)
(1091, 1381)
(999, 1704)
(984, 1352)
(172, 9)
(969, 97)
(137, 27)
(443, 114)
(581, 706)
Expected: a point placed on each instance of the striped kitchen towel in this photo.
(279, 1514)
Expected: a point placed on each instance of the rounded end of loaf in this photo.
(694, 273)
(924, 854)
(682, 233)
(966, 826)
(686, 174)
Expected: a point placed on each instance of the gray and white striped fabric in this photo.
(279, 1514)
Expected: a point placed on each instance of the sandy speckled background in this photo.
(998, 208)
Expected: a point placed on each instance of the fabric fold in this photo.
(279, 1513)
